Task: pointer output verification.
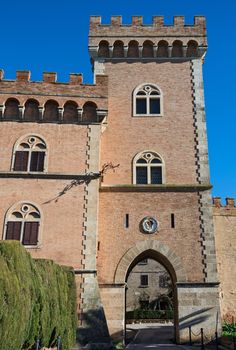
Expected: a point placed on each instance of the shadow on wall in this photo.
(94, 329)
(194, 318)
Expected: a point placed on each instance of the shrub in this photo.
(229, 329)
(37, 299)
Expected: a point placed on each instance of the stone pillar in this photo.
(113, 300)
(198, 307)
(92, 314)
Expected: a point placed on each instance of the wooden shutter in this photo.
(21, 161)
(30, 234)
(13, 230)
(37, 161)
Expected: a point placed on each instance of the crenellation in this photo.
(49, 77)
(191, 38)
(179, 21)
(158, 21)
(137, 20)
(116, 20)
(76, 78)
(1, 74)
(229, 204)
(23, 75)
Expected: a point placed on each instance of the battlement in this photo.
(51, 77)
(157, 23)
(147, 41)
(230, 203)
(72, 102)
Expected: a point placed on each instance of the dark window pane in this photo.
(21, 161)
(37, 161)
(30, 234)
(144, 280)
(154, 106)
(13, 230)
(156, 175)
(154, 93)
(141, 93)
(141, 175)
(141, 160)
(156, 160)
(141, 106)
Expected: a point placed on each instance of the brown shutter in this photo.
(21, 161)
(13, 230)
(37, 161)
(30, 234)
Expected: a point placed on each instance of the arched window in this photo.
(89, 112)
(162, 50)
(12, 111)
(31, 110)
(103, 49)
(148, 169)
(148, 49)
(177, 49)
(147, 100)
(192, 49)
(118, 49)
(70, 114)
(22, 224)
(29, 154)
(133, 50)
(51, 113)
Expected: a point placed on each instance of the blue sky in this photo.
(52, 36)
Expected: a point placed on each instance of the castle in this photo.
(100, 177)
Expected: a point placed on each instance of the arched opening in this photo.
(89, 112)
(162, 50)
(51, 113)
(12, 111)
(31, 110)
(177, 49)
(151, 300)
(192, 49)
(118, 49)
(103, 49)
(148, 49)
(133, 50)
(70, 114)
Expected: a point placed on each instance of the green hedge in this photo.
(37, 299)
(229, 329)
(149, 314)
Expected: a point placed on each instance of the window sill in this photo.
(143, 286)
(147, 115)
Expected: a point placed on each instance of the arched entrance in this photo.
(162, 254)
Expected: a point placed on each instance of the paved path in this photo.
(153, 336)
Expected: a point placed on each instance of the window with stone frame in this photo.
(143, 280)
(22, 224)
(148, 169)
(147, 101)
(29, 155)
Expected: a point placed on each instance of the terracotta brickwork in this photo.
(183, 238)
(225, 233)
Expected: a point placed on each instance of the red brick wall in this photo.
(171, 135)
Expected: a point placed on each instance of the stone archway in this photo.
(169, 258)
(161, 253)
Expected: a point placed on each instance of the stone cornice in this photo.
(48, 176)
(156, 188)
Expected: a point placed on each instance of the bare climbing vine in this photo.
(84, 180)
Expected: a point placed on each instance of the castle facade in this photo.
(100, 177)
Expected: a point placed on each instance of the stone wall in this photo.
(225, 236)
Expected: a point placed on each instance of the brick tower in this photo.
(157, 204)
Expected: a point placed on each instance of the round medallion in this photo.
(149, 224)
